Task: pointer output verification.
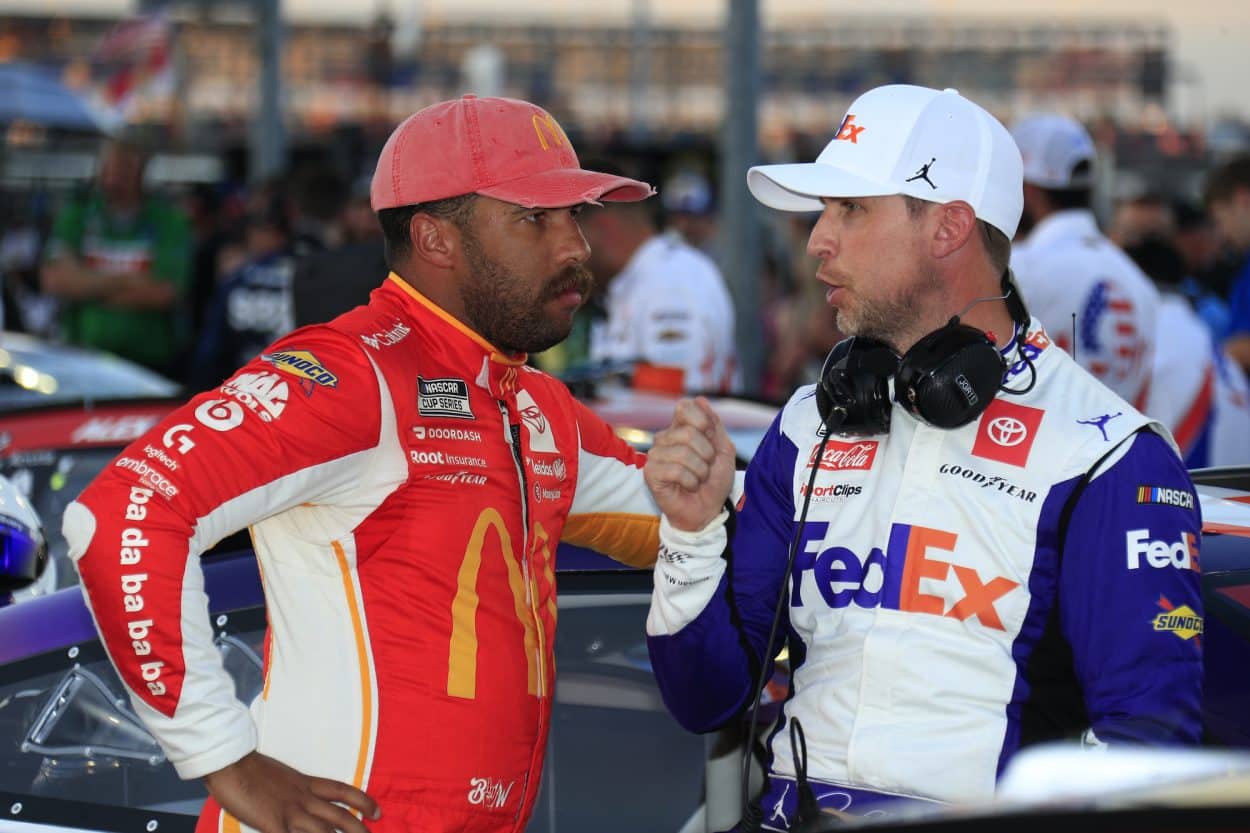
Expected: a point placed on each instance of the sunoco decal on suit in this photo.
(303, 365)
(443, 398)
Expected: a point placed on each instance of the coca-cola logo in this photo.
(841, 456)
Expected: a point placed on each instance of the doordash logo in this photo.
(840, 456)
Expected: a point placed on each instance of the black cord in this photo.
(808, 806)
(752, 815)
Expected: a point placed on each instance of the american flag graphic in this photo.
(1108, 335)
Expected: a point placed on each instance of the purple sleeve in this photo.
(707, 670)
(1130, 599)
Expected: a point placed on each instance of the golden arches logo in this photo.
(463, 648)
(547, 127)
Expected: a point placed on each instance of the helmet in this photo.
(23, 548)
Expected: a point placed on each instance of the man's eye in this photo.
(535, 217)
(576, 210)
(850, 205)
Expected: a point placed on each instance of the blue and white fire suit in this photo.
(936, 619)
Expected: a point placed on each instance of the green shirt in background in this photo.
(155, 240)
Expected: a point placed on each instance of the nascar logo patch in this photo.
(1162, 495)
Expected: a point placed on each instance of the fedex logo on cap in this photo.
(849, 131)
(906, 576)
(1006, 432)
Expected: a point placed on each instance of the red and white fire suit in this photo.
(405, 485)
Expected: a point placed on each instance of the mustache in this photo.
(573, 279)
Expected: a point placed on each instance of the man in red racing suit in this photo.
(405, 481)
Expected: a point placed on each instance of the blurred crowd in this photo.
(193, 285)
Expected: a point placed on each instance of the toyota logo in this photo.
(1007, 431)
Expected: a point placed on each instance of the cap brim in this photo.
(800, 187)
(568, 186)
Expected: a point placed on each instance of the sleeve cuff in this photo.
(687, 573)
(710, 540)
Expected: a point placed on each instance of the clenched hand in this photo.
(274, 798)
(690, 469)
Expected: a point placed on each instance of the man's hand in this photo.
(690, 469)
(274, 798)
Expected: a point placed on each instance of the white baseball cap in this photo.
(934, 145)
(1053, 146)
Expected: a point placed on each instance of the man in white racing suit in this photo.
(1092, 299)
(971, 572)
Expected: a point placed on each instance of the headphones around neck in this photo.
(947, 379)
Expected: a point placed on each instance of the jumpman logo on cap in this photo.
(923, 173)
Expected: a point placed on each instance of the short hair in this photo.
(997, 244)
(1228, 179)
(396, 221)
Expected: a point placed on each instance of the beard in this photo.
(507, 312)
(894, 318)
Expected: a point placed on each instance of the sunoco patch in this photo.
(305, 367)
(444, 398)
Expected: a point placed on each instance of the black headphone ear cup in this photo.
(950, 376)
(853, 393)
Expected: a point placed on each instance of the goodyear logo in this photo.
(1182, 621)
(303, 365)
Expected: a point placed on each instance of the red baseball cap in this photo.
(498, 147)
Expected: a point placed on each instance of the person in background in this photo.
(329, 283)
(317, 194)
(23, 228)
(118, 261)
(1207, 268)
(1093, 300)
(1144, 215)
(1228, 200)
(1198, 391)
(938, 529)
(668, 309)
(406, 479)
(252, 305)
(690, 210)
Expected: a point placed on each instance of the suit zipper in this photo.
(518, 460)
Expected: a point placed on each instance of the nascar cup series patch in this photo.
(443, 398)
(305, 367)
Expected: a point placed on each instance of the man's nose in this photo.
(574, 249)
(822, 243)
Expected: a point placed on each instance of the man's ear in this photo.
(436, 240)
(956, 223)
